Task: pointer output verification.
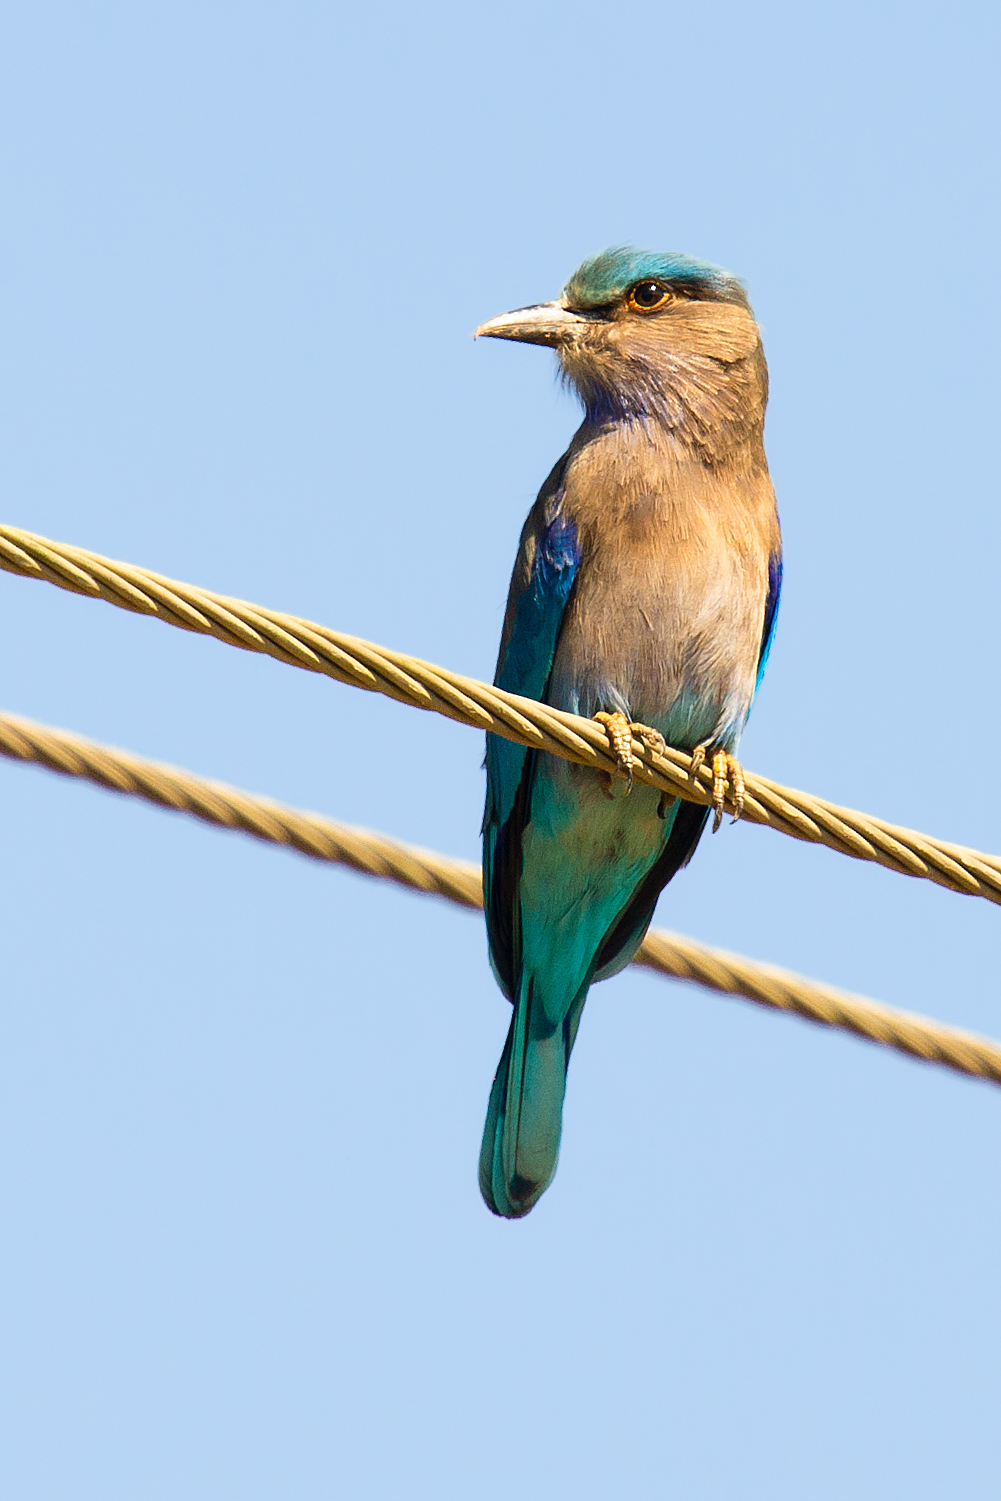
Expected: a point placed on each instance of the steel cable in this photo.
(459, 881)
(362, 664)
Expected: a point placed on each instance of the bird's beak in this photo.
(546, 323)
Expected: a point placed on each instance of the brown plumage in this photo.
(646, 583)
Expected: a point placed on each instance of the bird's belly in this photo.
(584, 853)
(677, 651)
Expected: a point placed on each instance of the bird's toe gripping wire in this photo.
(727, 773)
(620, 732)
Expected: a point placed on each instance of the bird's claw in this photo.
(620, 732)
(726, 770)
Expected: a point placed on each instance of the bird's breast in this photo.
(665, 619)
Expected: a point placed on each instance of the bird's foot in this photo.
(620, 732)
(726, 770)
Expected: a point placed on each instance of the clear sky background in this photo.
(242, 1250)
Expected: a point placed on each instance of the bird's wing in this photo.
(543, 578)
(771, 611)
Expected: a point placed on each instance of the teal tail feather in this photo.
(521, 1137)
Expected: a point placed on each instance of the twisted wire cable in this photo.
(301, 643)
(459, 881)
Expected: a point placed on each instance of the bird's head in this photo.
(658, 336)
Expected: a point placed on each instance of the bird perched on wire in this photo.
(644, 595)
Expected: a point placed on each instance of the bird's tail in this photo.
(521, 1137)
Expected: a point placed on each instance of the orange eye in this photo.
(648, 296)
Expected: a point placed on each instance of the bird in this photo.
(644, 596)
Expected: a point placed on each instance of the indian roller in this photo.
(644, 595)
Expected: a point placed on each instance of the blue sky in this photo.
(243, 1251)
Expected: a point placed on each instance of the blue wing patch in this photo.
(771, 611)
(527, 657)
(539, 611)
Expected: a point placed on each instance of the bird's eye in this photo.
(647, 296)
